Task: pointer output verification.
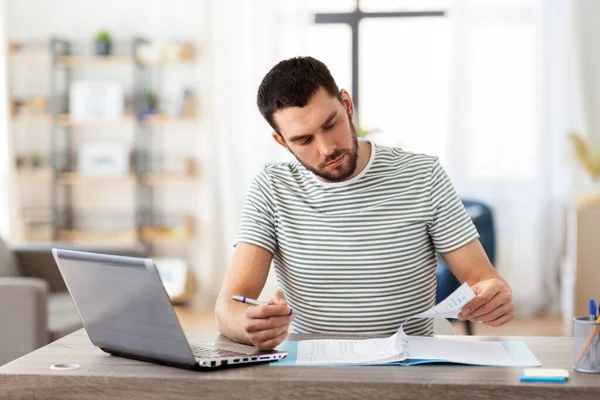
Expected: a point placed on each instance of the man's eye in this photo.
(330, 126)
(306, 141)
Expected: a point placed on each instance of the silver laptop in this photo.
(126, 312)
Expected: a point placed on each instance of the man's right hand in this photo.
(267, 326)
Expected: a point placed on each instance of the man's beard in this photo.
(351, 153)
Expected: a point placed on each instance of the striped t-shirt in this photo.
(357, 256)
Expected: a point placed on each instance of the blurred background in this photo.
(130, 127)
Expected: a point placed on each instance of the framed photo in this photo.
(103, 159)
(96, 99)
(176, 278)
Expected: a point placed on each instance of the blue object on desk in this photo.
(550, 379)
(483, 219)
(544, 375)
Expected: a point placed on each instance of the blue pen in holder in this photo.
(586, 339)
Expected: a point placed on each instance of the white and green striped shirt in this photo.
(357, 256)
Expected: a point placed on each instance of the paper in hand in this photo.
(451, 305)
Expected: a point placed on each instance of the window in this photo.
(398, 54)
(502, 98)
(408, 82)
(405, 84)
(331, 43)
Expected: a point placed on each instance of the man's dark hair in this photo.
(292, 83)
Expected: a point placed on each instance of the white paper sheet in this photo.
(458, 351)
(451, 305)
(347, 351)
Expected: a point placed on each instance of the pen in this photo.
(243, 299)
(254, 302)
(592, 310)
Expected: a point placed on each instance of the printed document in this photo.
(400, 347)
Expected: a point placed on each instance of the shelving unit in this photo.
(62, 176)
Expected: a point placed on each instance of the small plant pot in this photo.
(102, 48)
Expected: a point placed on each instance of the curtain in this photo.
(248, 38)
(513, 104)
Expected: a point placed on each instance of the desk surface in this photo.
(107, 377)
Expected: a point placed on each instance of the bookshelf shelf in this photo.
(91, 61)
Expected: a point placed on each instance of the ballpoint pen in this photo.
(254, 302)
(593, 315)
(247, 300)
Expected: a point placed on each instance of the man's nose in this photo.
(326, 146)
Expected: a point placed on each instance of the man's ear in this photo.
(279, 139)
(347, 102)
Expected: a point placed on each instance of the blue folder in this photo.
(518, 350)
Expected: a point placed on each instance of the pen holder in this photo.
(586, 339)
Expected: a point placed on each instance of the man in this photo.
(352, 227)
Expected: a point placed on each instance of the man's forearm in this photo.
(230, 319)
(482, 275)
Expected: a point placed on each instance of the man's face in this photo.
(321, 135)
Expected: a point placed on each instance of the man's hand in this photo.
(492, 305)
(267, 326)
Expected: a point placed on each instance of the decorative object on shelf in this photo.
(188, 104)
(14, 47)
(35, 105)
(102, 43)
(189, 168)
(36, 160)
(151, 108)
(151, 101)
(176, 277)
(103, 158)
(161, 53)
(96, 99)
(587, 155)
(19, 162)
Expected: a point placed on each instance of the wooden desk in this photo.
(107, 377)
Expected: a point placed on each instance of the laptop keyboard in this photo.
(213, 352)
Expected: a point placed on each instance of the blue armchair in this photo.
(482, 217)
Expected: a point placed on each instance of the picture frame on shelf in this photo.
(96, 99)
(176, 277)
(103, 158)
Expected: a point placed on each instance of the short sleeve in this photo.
(257, 223)
(451, 226)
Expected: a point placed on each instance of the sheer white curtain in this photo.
(513, 104)
(248, 38)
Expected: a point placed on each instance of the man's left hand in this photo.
(492, 304)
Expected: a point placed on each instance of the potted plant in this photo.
(36, 160)
(151, 101)
(102, 43)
